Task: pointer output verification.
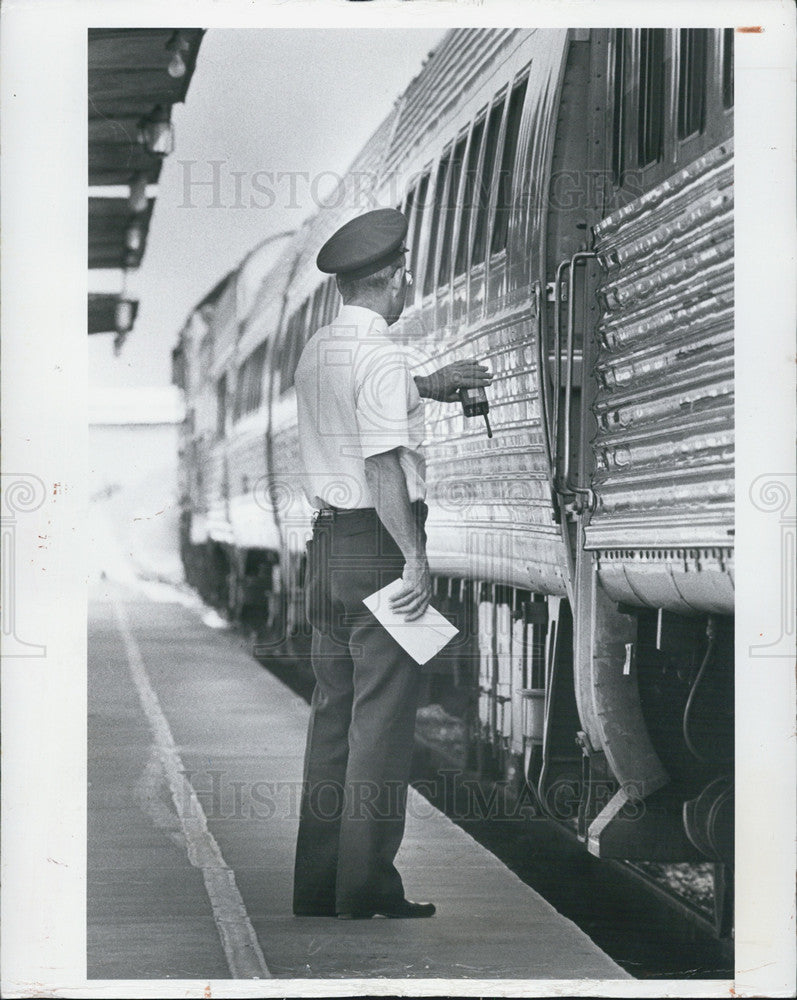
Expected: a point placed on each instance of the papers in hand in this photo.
(421, 638)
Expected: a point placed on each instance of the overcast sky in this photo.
(295, 102)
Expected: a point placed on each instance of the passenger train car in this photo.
(570, 202)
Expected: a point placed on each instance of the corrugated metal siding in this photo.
(490, 506)
(664, 447)
(461, 58)
(247, 460)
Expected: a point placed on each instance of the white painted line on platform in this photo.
(241, 948)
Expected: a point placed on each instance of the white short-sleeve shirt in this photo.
(356, 397)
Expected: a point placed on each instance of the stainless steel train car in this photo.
(571, 223)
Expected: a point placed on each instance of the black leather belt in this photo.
(333, 513)
(329, 514)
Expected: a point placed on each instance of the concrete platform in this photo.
(180, 716)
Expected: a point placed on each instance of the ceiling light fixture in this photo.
(177, 45)
(123, 314)
(133, 238)
(156, 133)
(138, 200)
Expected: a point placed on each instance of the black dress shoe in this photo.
(403, 909)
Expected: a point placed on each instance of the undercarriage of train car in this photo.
(503, 707)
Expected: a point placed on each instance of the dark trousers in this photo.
(360, 739)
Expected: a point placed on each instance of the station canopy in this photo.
(135, 75)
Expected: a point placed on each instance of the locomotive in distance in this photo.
(570, 202)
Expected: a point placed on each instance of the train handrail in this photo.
(543, 369)
(568, 488)
(557, 358)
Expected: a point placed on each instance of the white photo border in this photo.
(44, 381)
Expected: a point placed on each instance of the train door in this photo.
(568, 316)
(619, 766)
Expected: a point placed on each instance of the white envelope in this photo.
(421, 638)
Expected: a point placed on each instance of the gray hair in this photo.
(356, 288)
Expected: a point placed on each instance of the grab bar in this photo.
(567, 488)
(557, 360)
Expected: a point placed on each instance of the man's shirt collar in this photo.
(366, 321)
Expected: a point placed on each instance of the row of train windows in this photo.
(473, 175)
(640, 88)
(458, 196)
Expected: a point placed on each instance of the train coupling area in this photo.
(195, 768)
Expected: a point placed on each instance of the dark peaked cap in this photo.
(364, 245)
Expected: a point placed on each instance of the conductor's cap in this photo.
(364, 245)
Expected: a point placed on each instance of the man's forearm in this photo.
(388, 487)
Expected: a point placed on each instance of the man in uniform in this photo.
(360, 430)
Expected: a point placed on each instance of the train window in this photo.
(420, 206)
(692, 61)
(504, 196)
(249, 387)
(407, 207)
(455, 172)
(727, 67)
(333, 300)
(326, 303)
(312, 308)
(323, 305)
(237, 403)
(468, 198)
(281, 350)
(302, 334)
(440, 186)
(285, 352)
(257, 365)
(650, 120)
(486, 183)
(408, 210)
(179, 365)
(206, 352)
(315, 313)
(242, 390)
(622, 52)
(297, 335)
(323, 318)
(323, 297)
(221, 405)
(292, 357)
